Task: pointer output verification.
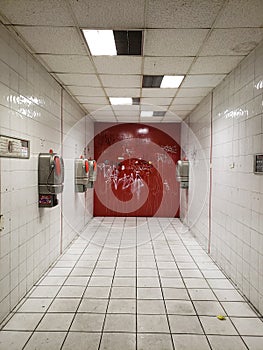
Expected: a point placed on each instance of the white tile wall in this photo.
(30, 108)
(237, 193)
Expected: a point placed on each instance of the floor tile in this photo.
(190, 342)
(180, 307)
(154, 342)
(120, 323)
(45, 341)
(76, 281)
(116, 341)
(152, 282)
(219, 342)
(228, 295)
(71, 292)
(23, 322)
(196, 283)
(44, 292)
(191, 273)
(175, 293)
(248, 326)
(97, 292)
(212, 325)
(123, 292)
(124, 282)
(152, 324)
(53, 281)
(219, 283)
(172, 282)
(238, 309)
(35, 305)
(254, 343)
(10, 340)
(127, 306)
(201, 294)
(185, 324)
(88, 323)
(81, 341)
(150, 307)
(208, 308)
(64, 305)
(93, 305)
(98, 281)
(149, 293)
(55, 322)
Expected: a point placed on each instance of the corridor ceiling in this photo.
(201, 39)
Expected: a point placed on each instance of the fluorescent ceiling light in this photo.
(121, 100)
(146, 113)
(172, 81)
(100, 42)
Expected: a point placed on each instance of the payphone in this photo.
(50, 178)
(81, 174)
(182, 173)
(92, 173)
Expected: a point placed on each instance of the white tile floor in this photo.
(133, 284)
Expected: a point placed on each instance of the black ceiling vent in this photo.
(128, 42)
(159, 113)
(136, 100)
(152, 81)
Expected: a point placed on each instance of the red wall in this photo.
(136, 170)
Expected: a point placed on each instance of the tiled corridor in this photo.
(133, 283)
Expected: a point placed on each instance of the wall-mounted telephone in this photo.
(81, 175)
(182, 173)
(50, 178)
(92, 173)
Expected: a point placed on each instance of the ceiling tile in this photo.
(127, 113)
(118, 64)
(115, 92)
(93, 100)
(241, 13)
(166, 65)
(80, 81)
(202, 80)
(68, 63)
(181, 13)
(237, 41)
(173, 42)
(129, 81)
(178, 114)
(94, 107)
(126, 108)
(155, 92)
(35, 12)
(186, 100)
(163, 101)
(103, 112)
(179, 107)
(215, 64)
(151, 119)
(128, 119)
(193, 92)
(88, 91)
(56, 40)
(124, 14)
(148, 107)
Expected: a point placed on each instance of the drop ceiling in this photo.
(201, 39)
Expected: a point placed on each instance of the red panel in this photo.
(136, 172)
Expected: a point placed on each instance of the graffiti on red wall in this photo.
(136, 172)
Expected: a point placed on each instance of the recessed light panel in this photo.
(146, 114)
(152, 81)
(128, 42)
(172, 81)
(100, 42)
(121, 100)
